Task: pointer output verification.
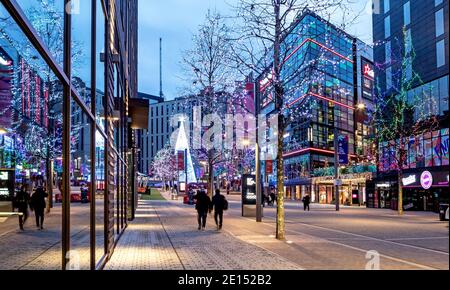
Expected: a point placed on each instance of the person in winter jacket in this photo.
(203, 203)
(219, 204)
(21, 201)
(38, 204)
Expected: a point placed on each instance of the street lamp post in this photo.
(336, 167)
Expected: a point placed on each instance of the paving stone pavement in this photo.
(165, 237)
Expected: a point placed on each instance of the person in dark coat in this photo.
(38, 205)
(219, 204)
(21, 204)
(203, 204)
(273, 197)
(306, 202)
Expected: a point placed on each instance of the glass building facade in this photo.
(418, 36)
(68, 77)
(321, 65)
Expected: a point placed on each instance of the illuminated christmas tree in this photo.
(182, 145)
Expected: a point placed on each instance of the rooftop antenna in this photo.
(161, 94)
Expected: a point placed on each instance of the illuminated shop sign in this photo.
(249, 190)
(426, 180)
(409, 180)
(368, 71)
(367, 79)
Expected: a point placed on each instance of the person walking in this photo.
(21, 201)
(203, 204)
(273, 197)
(306, 202)
(219, 204)
(38, 205)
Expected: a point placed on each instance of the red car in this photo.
(77, 194)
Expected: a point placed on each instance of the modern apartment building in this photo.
(415, 32)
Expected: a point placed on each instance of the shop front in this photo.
(424, 190)
(352, 192)
(298, 188)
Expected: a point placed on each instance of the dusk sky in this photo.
(175, 21)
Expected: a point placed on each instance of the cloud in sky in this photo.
(175, 21)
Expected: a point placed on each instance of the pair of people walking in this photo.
(36, 202)
(204, 205)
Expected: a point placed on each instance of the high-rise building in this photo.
(415, 32)
(327, 76)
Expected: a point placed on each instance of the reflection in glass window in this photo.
(387, 26)
(440, 53)
(30, 148)
(439, 19)
(47, 18)
(388, 78)
(407, 13)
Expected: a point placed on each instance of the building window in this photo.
(387, 6)
(409, 69)
(388, 78)
(437, 2)
(439, 17)
(407, 13)
(440, 53)
(387, 26)
(388, 52)
(408, 43)
(443, 95)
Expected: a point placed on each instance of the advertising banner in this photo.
(269, 167)
(249, 190)
(180, 159)
(343, 150)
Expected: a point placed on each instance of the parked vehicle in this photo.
(77, 194)
(443, 212)
(188, 199)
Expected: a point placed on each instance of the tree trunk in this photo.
(400, 192)
(280, 188)
(279, 92)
